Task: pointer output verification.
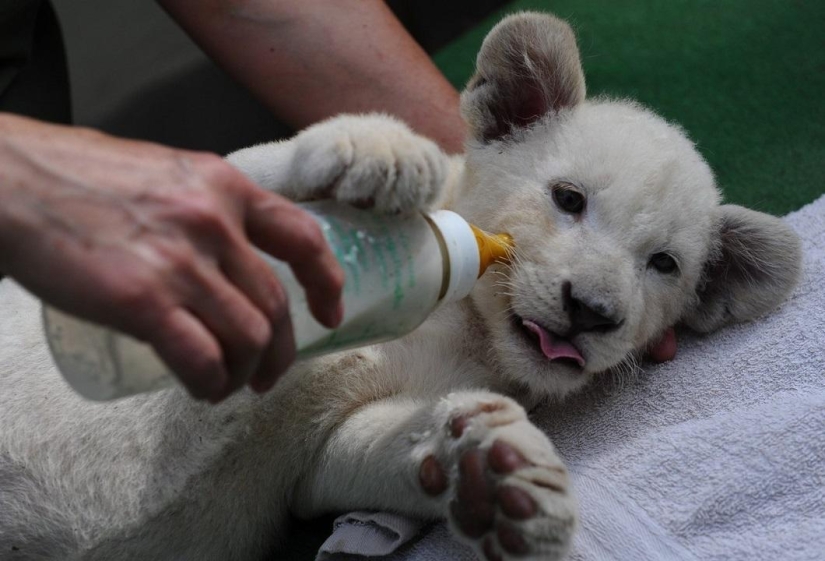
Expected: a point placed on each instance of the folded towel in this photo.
(719, 454)
(370, 534)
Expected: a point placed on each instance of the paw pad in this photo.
(480, 496)
(515, 503)
(511, 539)
(459, 424)
(504, 458)
(432, 477)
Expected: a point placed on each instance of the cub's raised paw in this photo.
(368, 161)
(506, 491)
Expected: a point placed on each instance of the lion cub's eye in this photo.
(568, 199)
(663, 263)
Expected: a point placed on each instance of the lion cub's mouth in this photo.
(553, 346)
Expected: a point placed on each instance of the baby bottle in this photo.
(398, 270)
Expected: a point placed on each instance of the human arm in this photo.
(311, 59)
(155, 242)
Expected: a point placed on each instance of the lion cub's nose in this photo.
(585, 316)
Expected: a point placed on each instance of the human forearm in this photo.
(312, 59)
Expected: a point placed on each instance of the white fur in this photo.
(164, 477)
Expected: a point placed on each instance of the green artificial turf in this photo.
(745, 78)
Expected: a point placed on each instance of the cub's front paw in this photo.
(506, 491)
(368, 161)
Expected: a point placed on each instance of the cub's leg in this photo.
(368, 161)
(472, 457)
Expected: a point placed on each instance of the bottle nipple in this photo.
(492, 248)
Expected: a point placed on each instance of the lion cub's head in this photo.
(616, 218)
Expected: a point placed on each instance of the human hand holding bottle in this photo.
(158, 243)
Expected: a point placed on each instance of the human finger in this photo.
(288, 233)
(242, 329)
(250, 273)
(247, 270)
(277, 358)
(192, 352)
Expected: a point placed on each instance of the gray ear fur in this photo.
(528, 66)
(757, 263)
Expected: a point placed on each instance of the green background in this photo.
(745, 78)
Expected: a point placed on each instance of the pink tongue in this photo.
(553, 347)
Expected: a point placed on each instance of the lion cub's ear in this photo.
(755, 267)
(528, 66)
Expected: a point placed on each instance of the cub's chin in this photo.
(532, 354)
(549, 364)
(545, 363)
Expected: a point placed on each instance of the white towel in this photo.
(368, 534)
(719, 454)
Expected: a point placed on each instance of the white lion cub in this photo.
(619, 235)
